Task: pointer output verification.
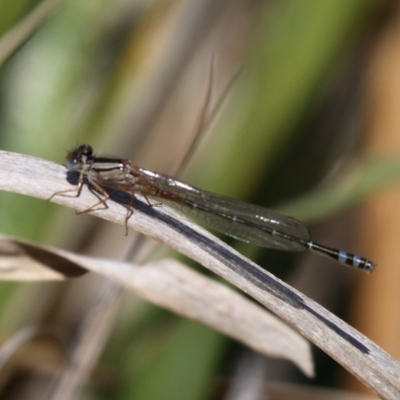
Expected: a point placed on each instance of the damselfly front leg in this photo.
(77, 190)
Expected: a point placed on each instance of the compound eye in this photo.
(86, 150)
(73, 164)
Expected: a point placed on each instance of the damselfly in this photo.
(243, 221)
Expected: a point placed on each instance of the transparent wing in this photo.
(243, 221)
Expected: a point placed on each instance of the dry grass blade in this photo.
(172, 285)
(363, 358)
(21, 261)
(287, 391)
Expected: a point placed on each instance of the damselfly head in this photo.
(78, 158)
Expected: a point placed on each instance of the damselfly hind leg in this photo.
(129, 211)
(150, 204)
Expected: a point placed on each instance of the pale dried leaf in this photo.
(22, 261)
(172, 285)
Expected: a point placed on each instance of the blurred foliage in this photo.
(83, 76)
